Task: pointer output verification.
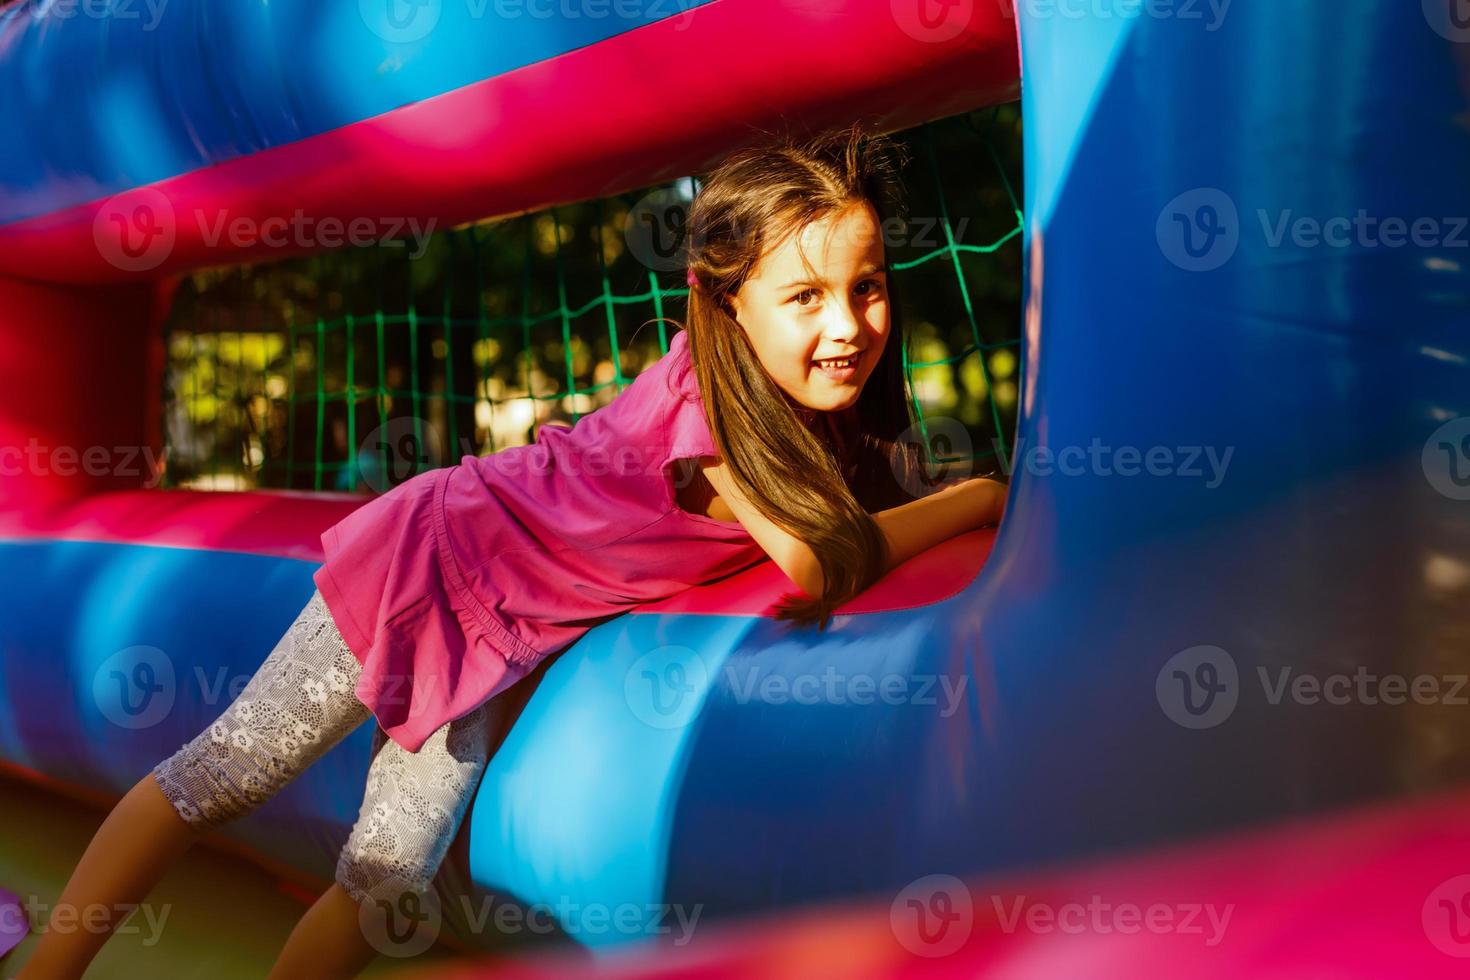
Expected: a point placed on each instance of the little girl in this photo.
(773, 428)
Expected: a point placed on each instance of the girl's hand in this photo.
(926, 521)
(985, 499)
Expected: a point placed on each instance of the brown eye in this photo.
(804, 292)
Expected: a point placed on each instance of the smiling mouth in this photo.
(839, 362)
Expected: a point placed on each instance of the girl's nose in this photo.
(842, 322)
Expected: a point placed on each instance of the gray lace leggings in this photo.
(299, 704)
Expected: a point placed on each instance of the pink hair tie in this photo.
(691, 278)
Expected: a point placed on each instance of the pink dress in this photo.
(455, 584)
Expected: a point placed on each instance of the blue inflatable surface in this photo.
(155, 90)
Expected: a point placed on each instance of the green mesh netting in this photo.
(356, 369)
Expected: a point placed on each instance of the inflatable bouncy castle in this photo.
(1241, 458)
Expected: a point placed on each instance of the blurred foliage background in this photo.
(354, 369)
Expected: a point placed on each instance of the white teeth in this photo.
(841, 363)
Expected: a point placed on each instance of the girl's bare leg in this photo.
(384, 899)
(328, 943)
(299, 704)
(131, 851)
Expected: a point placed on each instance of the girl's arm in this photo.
(921, 524)
(791, 554)
(909, 528)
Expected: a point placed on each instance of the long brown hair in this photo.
(819, 483)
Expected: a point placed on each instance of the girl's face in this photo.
(796, 316)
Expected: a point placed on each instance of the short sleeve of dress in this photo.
(687, 431)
